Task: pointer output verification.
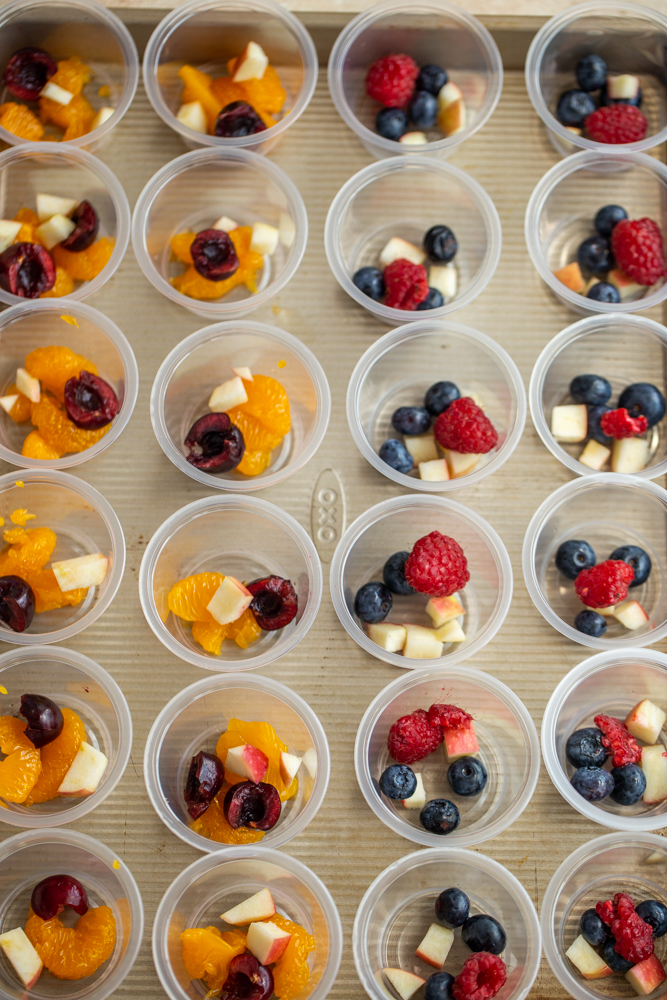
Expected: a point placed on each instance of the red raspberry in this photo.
(406, 284)
(482, 975)
(604, 584)
(619, 424)
(464, 427)
(449, 717)
(615, 737)
(616, 123)
(413, 737)
(437, 566)
(637, 249)
(391, 80)
(634, 937)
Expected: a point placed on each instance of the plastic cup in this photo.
(82, 28)
(216, 882)
(203, 360)
(431, 31)
(617, 862)
(405, 197)
(395, 525)
(629, 37)
(194, 720)
(206, 34)
(398, 908)
(607, 510)
(26, 327)
(398, 369)
(27, 858)
(246, 537)
(85, 524)
(73, 681)
(189, 194)
(604, 684)
(562, 208)
(509, 750)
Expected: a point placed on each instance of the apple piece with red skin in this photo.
(418, 797)
(230, 600)
(405, 983)
(631, 614)
(584, 958)
(19, 949)
(289, 766)
(646, 976)
(254, 908)
(435, 946)
(654, 766)
(461, 742)
(85, 772)
(50, 896)
(267, 941)
(247, 761)
(251, 64)
(645, 721)
(443, 609)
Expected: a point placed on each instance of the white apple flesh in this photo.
(231, 393)
(229, 602)
(421, 643)
(646, 976)
(286, 230)
(405, 983)
(435, 946)
(418, 797)
(413, 139)
(622, 87)
(654, 766)
(310, 761)
(400, 249)
(264, 239)
(443, 609)
(460, 464)
(243, 373)
(257, 907)
(8, 232)
(7, 402)
(251, 64)
(50, 204)
(388, 636)
(248, 761)
(192, 116)
(629, 455)
(449, 94)
(102, 116)
(20, 951)
(227, 225)
(55, 230)
(645, 721)
(453, 118)
(289, 767)
(450, 632)
(85, 772)
(445, 279)
(267, 941)
(421, 447)
(28, 385)
(84, 571)
(435, 471)
(631, 614)
(569, 423)
(584, 958)
(595, 455)
(56, 93)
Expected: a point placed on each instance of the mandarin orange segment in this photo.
(266, 95)
(74, 952)
(254, 462)
(190, 597)
(57, 757)
(197, 87)
(22, 408)
(54, 366)
(225, 91)
(50, 418)
(21, 121)
(291, 971)
(193, 284)
(209, 635)
(63, 285)
(22, 765)
(84, 265)
(244, 630)
(72, 74)
(48, 595)
(75, 118)
(35, 446)
(213, 825)
(268, 403)
(29, 222)
(207, 953)
(30, 549)
(27, 215)
(258, 436)
(264, 737)
(180, 247)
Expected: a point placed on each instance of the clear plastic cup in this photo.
(509, 750)
(617, 862)
(629, 37)
(216, 882)
(562, 208)
(607, 510)
(203, 360)
(395, 525)
(58, 169)
(82, 28)
(189, 194)
(404, 197)
(39, 324)
(624, 349)
(206, 34)
(195, 719)
(73, 681)
(398, 908)
(27, 858)
(604, 684)
(431, 31)
(246, 537)
(398, 369)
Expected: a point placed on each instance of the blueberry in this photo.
(608, 217)
(573, 556)
(423, 109)
(606, 100)
(629, 784)
(594, 429)
(370, 281)
(584, 748)
(431, 78)
(590, 389)
(411, 420)
(373, 602)
(573, 106)
(452, 907)
(398, 781)
(591, 72)
(603, 291)
(592, 783)
(391, 123)
(484, 933)
(590, 623)
(593, 928)
(643, 399)
(612, 958)
(439, 816)
(396, 455)
(439, 396)
(439, 986)
(433, 300)
(440, 244)
(594, 254)
(655, 914)
(393, 574)
(638, 559)
(467, 776)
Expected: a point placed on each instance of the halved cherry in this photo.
(214, 254)
(45, 720)
(87, 224)
(254, 804)
(90, 402)
(27, 270)
(214, 443)
(247, 980)
(54, 893)
(17, 602)
(204, 781)
(27, 72)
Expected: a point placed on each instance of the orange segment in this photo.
(50, 418)
(48, 595)
(209, 635)
(268, 403)
(207, 953)
(291, 971)
(21, 121)
(254, 462)
(213, 825)
(258, 436)
(30, 549)
(193, 284)
(22, 408)
(74, 952)
(57, 757)
(64, 285)
(75, 118)
(35, 446)
(244, 630)
(189, 598)
(21, 767)
(180, 246)
(225, 91)
(264, 737)
(197, 87)
(84, 265)
(72, 75)
(54, 366)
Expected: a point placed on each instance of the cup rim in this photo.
(427, 327)
(545, 35)
(548, 506)
(189, 512)
(264, 855)
(370, 173)
(462, 855)
(362, 21)
(180, 14)
(404, 683)
(193, 693)
(216, 309)
(586, 160)
(494, 544)
(217, 331)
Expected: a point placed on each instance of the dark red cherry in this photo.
(17, 603)
(214, 254)
(87, 225)
(247, 980)
(90, 402)
(214, 443)
(27, 270)
(27, 71)
(53, 894)
(45, 720)
(250, 803)
(238, 118)
(204, 781)
(274, 603)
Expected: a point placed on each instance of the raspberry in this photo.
(615, 737)
(637, 248)
(482, 975)
(406, 284)
(437, 566)
(617, 123)
(391, 80)
(413, 737)
(619, 424)
(449, 717)
(634, 937)
(464, 427)
(606, 584)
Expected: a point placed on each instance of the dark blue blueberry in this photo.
(573, 106)
(370, 281)
(423, 109)
(604, 291)
(591, 72)
(396, 455)
(605, 99)
(643, 399)
(431, 78)
(391, 123)
(411, 420)
(393, 574)
(439, 816)
(373, 602)
(467, 776)
(440, 244)
(584, 748)
(439, 396)
(452, 907)
(484, 933)
(638, 559)
(398, 781)
(592, 783)
(433, 300)
(593, 928)
(590, 389)
(439, 986)
(608, 217)
(594, 429)
(590, 623)
(594, 255)
(612, 958)
(655, 914)
(573, 556)
(629, 784)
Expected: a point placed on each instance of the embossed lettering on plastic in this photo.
(327, 515)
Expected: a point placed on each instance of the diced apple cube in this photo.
(251, 64)
(569, 423)
(584, 958)
(85, 772)
(310, 761)
(102, 116)
(226, 224)
(445, 279)
(646, 976)
(421, 447)
(435, 946)
(50, 204)
(594, 455)
(574, 130)
(453, 118)
(435, 471)
(421, 643)
(605, 612)
(286, 230)
(28, 385)
(405, 983)
(8, 232)
(83, 571)
(461, 742)
(654, 766)
(645, 721)
(627, 288)
(267, 941)
(257, 907)
(571, 277)
(443, 609)
(56, 93)
(449, 94)
(7, 402)
(231, 393)
(289, 766)
(192, 115)
(418, 797)
(450, 632)
(55, 230)
(622, 87)
(230, 600)
(264, 239)
(631, 614)
(243, 373)
(629, 455)
(248, 761)
(20, 951)
(413, 139)
(400, 249)
(460, 464)
(388, 636)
